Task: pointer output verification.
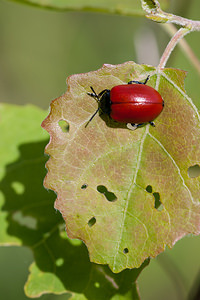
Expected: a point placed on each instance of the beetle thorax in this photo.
(105, 103)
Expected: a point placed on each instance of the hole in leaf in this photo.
(92, 221)
(101, 189)
(97, 285)
(158, 204)
(149, 189)
(110, 196)
(194, 171)
(59, 262)
(84, 186)
(46, 235)
(18, 187)
(75, 242)
(64, 125)
(125, 251)
(26, 221)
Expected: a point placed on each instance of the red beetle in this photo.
(131, 103)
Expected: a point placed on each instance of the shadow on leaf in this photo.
(33, 220)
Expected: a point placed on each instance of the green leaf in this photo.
(20, 155)
(28, 217)
(156, 200)
(81, 279)
(125, 7)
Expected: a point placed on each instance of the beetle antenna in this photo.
(92, 117)
(98, 99)
(94, 94)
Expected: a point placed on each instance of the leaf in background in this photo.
(21, 161)
(126, 194)
(28, 218)
(125, 7)
(81, 279)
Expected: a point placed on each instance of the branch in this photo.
(155, 13)
(171, 29)
(171, 45)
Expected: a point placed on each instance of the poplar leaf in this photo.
(126, 194)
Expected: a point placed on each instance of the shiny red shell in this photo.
(135, 103)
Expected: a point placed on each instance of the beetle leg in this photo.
(152, 124)
(103, 92)
(139, 82)
(133, 126)
(146, 79)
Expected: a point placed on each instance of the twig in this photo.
(155, 13)
(171, 29)
(171, 45)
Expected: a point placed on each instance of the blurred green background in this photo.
(39, 49)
